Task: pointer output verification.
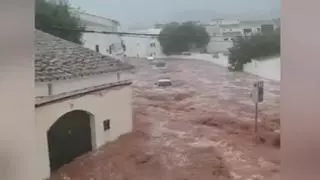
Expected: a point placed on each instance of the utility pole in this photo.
(257, 97)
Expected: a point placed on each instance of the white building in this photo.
(224, 31)
(83, 100)
(108, 43)
(143, 46)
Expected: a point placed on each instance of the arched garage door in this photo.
(68, 138)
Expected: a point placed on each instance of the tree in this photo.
(176, 38)
(253, 47)
(50, 16)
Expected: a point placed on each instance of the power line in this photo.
(128, 34)
(108, 32)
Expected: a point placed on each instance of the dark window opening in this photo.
(248, 30)
(106, 124)
(152, 44)
(267, 28)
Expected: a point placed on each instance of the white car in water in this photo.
(164, 83)
(186, 53)
(150, 58)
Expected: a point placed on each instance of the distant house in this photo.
(83, 100)
(224, 31)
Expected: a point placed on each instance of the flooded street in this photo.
(198, 129)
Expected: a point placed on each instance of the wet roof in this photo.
(58, 59)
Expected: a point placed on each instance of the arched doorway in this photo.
(69, 137)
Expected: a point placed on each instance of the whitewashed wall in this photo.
(221, 60)
(103, 40)
(80, 83)
(269, 68)
(140, 46)
(218, 44)
(253, 27)
(102, 105)
(97, 23)
(136, 47)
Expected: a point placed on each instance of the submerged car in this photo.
(150, 58)
(164, 83)
(160, 64)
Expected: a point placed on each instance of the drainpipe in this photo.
(97, 48)
(49, 89)
(118, 76)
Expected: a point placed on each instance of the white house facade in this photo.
(108, 43)
(143, 46)
(83, 100)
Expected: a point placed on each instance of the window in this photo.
(106, 124)
(248, 30)
(152, 44)
(226, 39)
(267, 28)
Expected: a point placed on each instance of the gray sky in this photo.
(134, 12)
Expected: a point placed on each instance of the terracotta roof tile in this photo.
(57, 59)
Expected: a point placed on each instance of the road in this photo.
(200, 128)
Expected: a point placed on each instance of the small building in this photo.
(224, 31)
(83, 100)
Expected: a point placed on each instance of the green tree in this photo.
(254, 47)
(50, 16)
(176, 38)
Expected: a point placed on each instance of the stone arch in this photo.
(69, 137)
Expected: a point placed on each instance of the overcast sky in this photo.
(131, 12)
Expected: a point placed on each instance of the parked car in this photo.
(150, 58)
(186, 53)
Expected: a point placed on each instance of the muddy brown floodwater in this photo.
(198, 129)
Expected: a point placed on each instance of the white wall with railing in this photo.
(220, 60)
(269, 68)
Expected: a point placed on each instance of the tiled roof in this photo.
(58, 59)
